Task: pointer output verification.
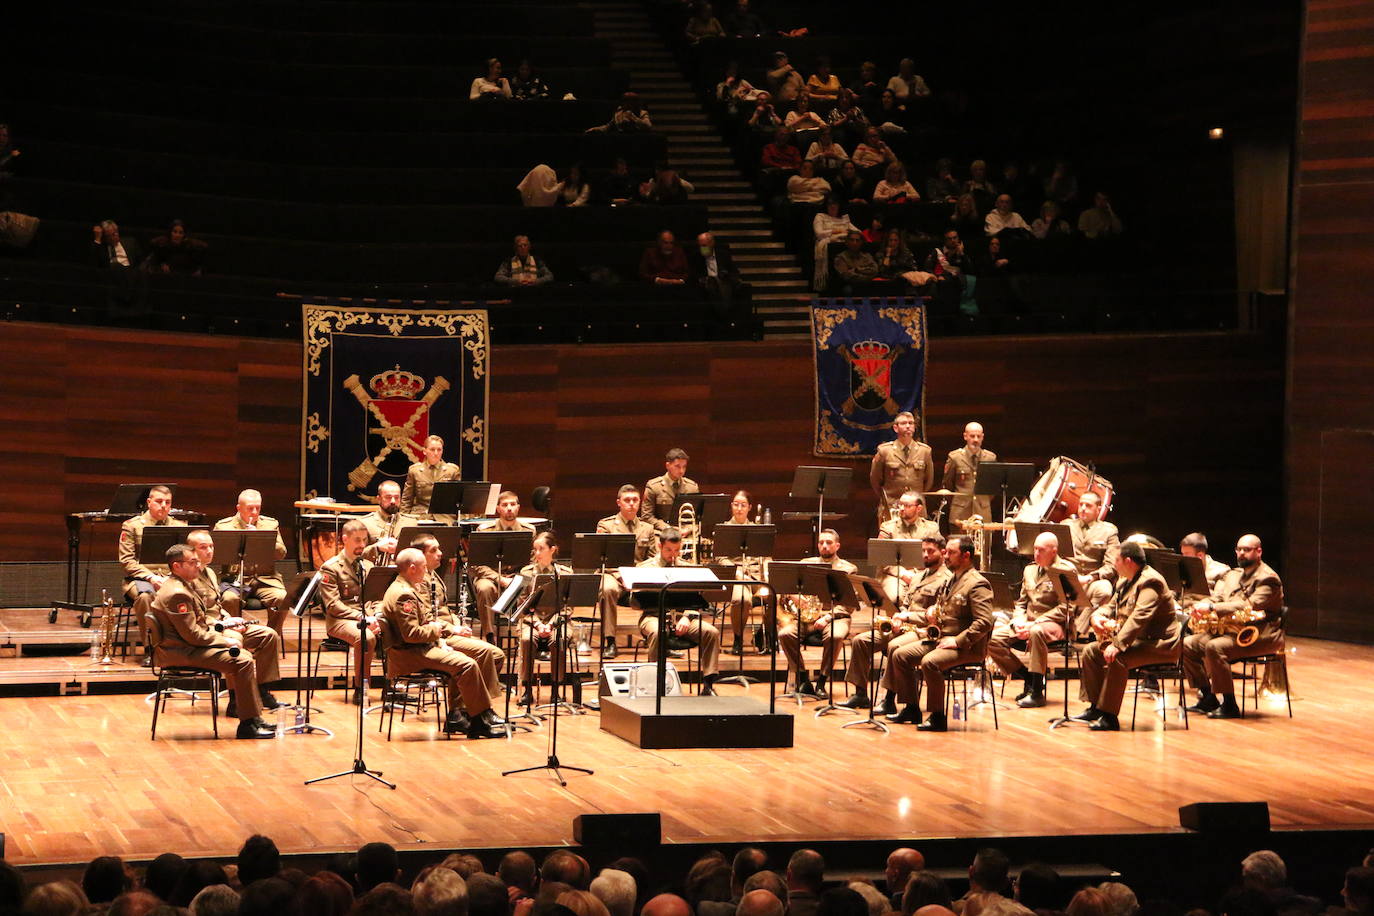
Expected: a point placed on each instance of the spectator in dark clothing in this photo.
(924, 888)
(163, 874)
(176, 252)
(1038, 889)
(258, 859)
(620, 187)
(867, 90)
(110, 251)
(781, 153)
(664, 263)
(198, 876)
(943, 186)
(377, 864)
(742, 22)
(106, 877)
(666, 188)
(714, 267)
(526, 84)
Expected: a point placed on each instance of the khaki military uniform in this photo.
(741, 596)
(961, 473)
(264, 585)
(529, 645)
(1039, 606)
(139, 587)
(612, 589)
(1145, 633)
(220, 604)
(923, 592)
(896, 529)
(486, 582)
(831, 636)
(341, 591)
(704, 634)
(378, 526)
(1095, 548)
(415, 643)
(964, 607)
(1214, 570)
(489, 658)
(1207, 659)
(897, 468)
(656, 505)
(419, 487)
(189, 638)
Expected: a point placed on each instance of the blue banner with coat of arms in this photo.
(870, 366)
(378, 382)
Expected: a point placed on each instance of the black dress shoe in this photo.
(146, 661)
(855, 701)
(936, 723)
(456, 723)
(269, 701)
(806, 688)
(333, 644)
(355, 698)
(888, 707)
(736, 647)
(821, 687)
(1225, 711)
(1031, 700)
(480, 728)
(1205, 703)
(1091, 714)
(1106, 722)
(910, 715)
(609, 650)
(255, 728)
(526, 698)
(492, 719)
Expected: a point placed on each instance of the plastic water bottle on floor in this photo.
(958, 710)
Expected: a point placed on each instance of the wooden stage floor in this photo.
(80, 777)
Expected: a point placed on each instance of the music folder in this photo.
(1067, 588)
(158, 539)
(710, 509)
(1027, 532)
(744, 540)
(379, 579)
(591, 552)
(448, 536)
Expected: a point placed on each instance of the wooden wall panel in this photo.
(1331, 330)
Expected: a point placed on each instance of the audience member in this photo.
(1038, 889)
(989, 871)
(492, 86)
(667, 905)
(703, 24)
(377, 864)
(574, 190)
(894, 188)
(526, 85)
(892, 115)
(197, 876)
(666, 188)
(823, 86)
(764, 118)
(134, 903)
(908, 84)
(734, 88)
(877, 901)
(540, 187)
(465, 864)
(630, 116)
(1120, 899)
(223, 900)
(744, 22)
(715, 269)
(266, 897)
(488, 896)
(105, 878)
(896, 263)
(1062, 185)
(440, 891)
(993, 905)
(866, 88)
(842, 901)
(992, 261)
(1100, 221)
(1266, 872)
(1357, 893)
(620, 187)
(258, 858)
(1088, 902)
(1003, 216)
(760, 903)
(829, 227)
(873, 153)
(802, 118)
(386, 899)
(110, 251)
(176, 252)
(849, 186)
(923, 888)
(582, 903)
(767, 880)
(565, 865)
(781, 153)
(664, 263)
(519, 873)
(943, 186)
(616, 889)
(708, 882)
(1049, 224)
(163, 873)
(875, 233)
(805, 878)
(806, 187)
(523, 268)
(636, 869)
(325, 894)
(826, 153)
(901, 864)
(847, 119)
(56, 898)
(854, 265)
(965, 219)
(784, 82)
(983, 190)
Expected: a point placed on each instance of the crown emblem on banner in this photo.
(397, 383)
(871, 349)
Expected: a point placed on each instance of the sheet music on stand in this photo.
(1027, 532)
(158, 539)
(255, 549)
(465, 498)
(602, 551)
(1187, 576)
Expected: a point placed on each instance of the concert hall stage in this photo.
(82, 779)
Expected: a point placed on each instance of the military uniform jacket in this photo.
(1258, 587)
(646, 540)
(265, 523)
(1144, 609)
(341, 587)
(1095, 547)
(529, 571)
(925, 590)
(659, 494)
(510, 563)
(206, 588)
(687, 603)
(1214, 570)
(961, 468)
(419, 485)
(131, 539)
(185, 619)
(965, 605)
(897, 468)
(409, 622)
(899, 530)
(840, 565)
(377, 526)
(433, 594)
(1038, 599)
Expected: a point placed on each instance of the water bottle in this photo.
(768, 516)
(300, 716)
(958, 710)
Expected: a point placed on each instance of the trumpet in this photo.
(1104, 627)
(104, 645)
(1242, 623)
(886, 626)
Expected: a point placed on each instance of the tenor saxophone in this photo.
(1242, 623)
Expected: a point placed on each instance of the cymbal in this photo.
(940, 492)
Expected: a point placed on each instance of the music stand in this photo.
(158, 539)
(300, 594)
(818, 483)
(602, 553)
(709, 509)
(450, 538)
(251, 549)
(871, 592)
(1027, 532)
(499, 550)
(1187, 577)
(1000, 478)
(571, 590)
(132, 498)
(743, 541)
(841, 593)
(684, 580)
(793, 578)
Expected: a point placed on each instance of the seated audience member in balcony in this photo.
(492, 86)
(703, 24)
(894, 188)
(992, 262)
(867, 90)
(823, 85)
(849, 186)
(734, 89)
(1100, 221)
(765, 118)
(947, 263)
(783, 79)
(802, 118)
(965, 219)
(630, 117)
(540, 187)
(847, 119)
(575, 190)
(110, 251)
(744, 22)
(1049, 224)
(523, 268)
(664, 263)
(714, 267)
(176, 252)
(620, 187)
(896, 263)
(1062, 184)
(980, 186)
(908, 85)
(943, 186)
(1003, 216)
(805, 187)
(526, 85)
(854, 265)
(831, 226)
(666, 188)
(892, 117)
(873, 155)
(875, 233)
(827, 155)
(781, 153)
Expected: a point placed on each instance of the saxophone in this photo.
(1243, 623)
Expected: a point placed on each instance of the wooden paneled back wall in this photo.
(1186, 426)
(1330, 477)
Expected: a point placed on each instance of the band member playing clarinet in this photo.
(814, 627)
(542, 629)
(384, 524)
(341, 591)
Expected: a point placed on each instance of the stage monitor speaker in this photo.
(635, 679)
(618, 831)
(1214, 817)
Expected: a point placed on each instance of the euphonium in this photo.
(687, 526)
(807, 608)
(1242, 623)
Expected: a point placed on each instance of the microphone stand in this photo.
(305, 637)
(359, 764)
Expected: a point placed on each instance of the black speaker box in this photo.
(618, 831)
(1212, 817)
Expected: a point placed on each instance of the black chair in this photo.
(1162, 673)
(416, 691)
(1249, 668)
(976, 671)
(176, 678)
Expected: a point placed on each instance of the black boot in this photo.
(910, 715)
(1227, 709)
(708, 685)
(255, 728)
(481, 727)
(1206, 702)
(268, 701)
(737, 646)
(526, 698)
(456, 722)
(1091, 714)
(1106, 722)
(935, 723)
(1025, 675)
(804, 685)
(888, 707)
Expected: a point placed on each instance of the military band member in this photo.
(542, 627)
(689, 624)
(1095, 546)
(341, 590)
(659, 493)
(189, 638)
(434, 596)
(918, 595)
(488, 583)
(1134, 628)
(741, 596)
(901, 465)
(142, 582)
(415, 641)
(626, 521)
(1207, 658)
(1038, 619)
(961, 475)
(963, 612)
(829, 630)
(909, 525)
(386, 523)
(423, 475)
(1195, 545)
(266, 586)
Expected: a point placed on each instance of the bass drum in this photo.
(1055, 495)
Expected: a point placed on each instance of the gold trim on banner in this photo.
(909, 320)
(825, 321)
(315, 432)
(476, 435)
(829, 441)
